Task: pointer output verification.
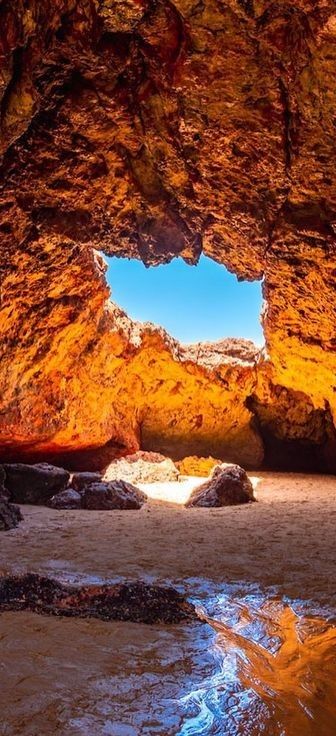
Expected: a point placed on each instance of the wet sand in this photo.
(90, 678)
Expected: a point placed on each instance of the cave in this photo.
(186, 135)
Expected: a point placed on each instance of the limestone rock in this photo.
(68, 499)
(116, 494)
(35, 484)
(142, 467)
(227, 486)
(197, 466)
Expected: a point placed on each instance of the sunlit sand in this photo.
(180, 491)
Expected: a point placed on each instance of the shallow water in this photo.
(259, 665)
(275, 668)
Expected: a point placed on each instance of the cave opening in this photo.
(202, 303)
(167, 557)
(226, 403)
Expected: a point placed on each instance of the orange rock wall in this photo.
(165, 129)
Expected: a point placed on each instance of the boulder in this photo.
(35, 484)
(10, 515)
(68, 499)
(142, 467)
(227, 486)
(79, 481)
(114, 495)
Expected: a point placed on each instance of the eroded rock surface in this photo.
(163, 130)
(227, 486)
(142, 467)
(68, 499)
(34, 484)
(80, 481)
(116, 494)
(138, 602)
(197, 466)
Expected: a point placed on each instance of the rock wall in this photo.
(157, 129)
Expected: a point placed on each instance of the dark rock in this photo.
(28, 591)
(117, 494)
(10, 515)
(35, 484)
(227, 486)
(138, 602)
(4, 493)
(68, 499)
(79, 481)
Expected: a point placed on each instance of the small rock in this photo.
(114, 495)
(68, 499)
(10, 515)
(142, 467)
(227, 486)
(79, 481)
(35, 484)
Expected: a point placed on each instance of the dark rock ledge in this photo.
(137, 602)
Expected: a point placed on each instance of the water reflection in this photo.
(258, 666)
(274, 671)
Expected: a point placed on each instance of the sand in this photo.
(66, 677)
(287, 539)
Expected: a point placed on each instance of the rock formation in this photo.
(138, 602)
(68, 499)
(228, 485)
(197, 466)
(35, 484)
(141, 467)
(117, 494)
(166, 129)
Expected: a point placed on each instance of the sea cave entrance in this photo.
(218, 396)
(203, 303)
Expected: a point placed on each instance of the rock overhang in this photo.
(171, 129)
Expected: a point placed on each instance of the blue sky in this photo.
(193, 303)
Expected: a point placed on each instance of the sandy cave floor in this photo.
(64, 677)
(286, 539)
